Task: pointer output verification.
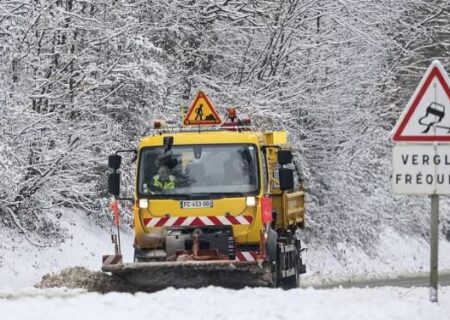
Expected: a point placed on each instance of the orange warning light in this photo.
(232, 114)
(157, 124)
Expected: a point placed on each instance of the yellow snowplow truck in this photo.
(214, 204)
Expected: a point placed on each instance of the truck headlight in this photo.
(143, 203)
(250, 201)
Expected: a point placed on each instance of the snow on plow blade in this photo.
(148, 276)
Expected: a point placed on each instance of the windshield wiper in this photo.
(183, 196)
(216, 195)
(167, 196)
(234, 194)
(205, 196)
(199, 196)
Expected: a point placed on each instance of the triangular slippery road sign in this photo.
(201, 112)
(426, 117)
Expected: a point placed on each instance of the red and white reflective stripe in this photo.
(246, 256)
(197, 221)
(112, 259)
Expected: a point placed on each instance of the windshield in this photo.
(199, 170)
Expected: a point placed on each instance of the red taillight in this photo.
(266, 209)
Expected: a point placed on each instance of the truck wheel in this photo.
(272, 255)
(290, 283)
(293, 281)
(287, 266)
(282, 261)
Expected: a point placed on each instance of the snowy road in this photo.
(404, 298)
(218, 303)
(405, 282)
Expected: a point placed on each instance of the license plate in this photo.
(191, 204)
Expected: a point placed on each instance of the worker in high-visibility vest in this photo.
(163, 181)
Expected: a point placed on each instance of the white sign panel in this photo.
(421, 169)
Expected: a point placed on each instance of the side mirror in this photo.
(114, 161)
(168, 143)
(114, 184)
(286, 177)
(284, 156)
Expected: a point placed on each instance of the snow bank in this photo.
(393, 256)
(217, 303)
(22, 264)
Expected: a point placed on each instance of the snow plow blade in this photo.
(150, 276)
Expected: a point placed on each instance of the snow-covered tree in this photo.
(79, 79)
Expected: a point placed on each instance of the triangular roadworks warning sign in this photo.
(426, 118)
(201, 112)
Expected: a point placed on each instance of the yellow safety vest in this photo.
(164, 185)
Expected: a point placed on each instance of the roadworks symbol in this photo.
(202, 112)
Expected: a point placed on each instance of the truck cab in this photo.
(221, 193)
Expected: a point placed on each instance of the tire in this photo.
(273, 250)
(291, 260)
(292, 282)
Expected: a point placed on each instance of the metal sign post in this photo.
(434, 243)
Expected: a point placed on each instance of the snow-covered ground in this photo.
(395, 255)
(23, 265)
(218, 303)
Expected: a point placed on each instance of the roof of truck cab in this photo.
(204, 137)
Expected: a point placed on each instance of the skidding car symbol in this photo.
(434, 115)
